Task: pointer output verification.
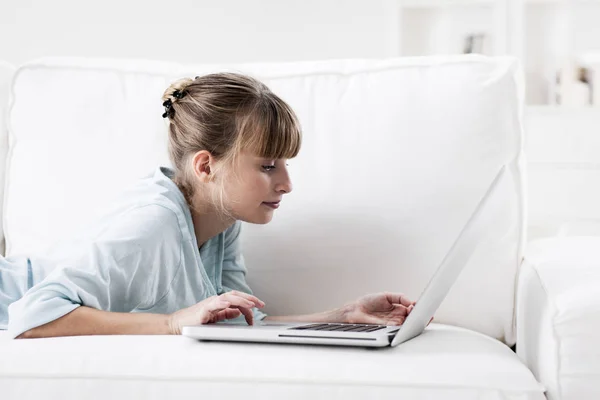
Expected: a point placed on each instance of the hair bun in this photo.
(174, 93)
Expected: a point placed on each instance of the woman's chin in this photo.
(259, 218)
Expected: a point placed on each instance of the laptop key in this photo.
(350, 327)
(360, 328)
(339, 328)
(311, 326)
(374, 329)
(331, 327)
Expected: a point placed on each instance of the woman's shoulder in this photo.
(147, 232)
(143, 218)
(146, 218)
(151, 202)
(152, 209)
(157, 188)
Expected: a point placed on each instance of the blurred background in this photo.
(557, 41)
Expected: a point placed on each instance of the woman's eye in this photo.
(268, 167)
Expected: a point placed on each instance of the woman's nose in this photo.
(285, 187)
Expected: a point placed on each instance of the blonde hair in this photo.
(224, 113)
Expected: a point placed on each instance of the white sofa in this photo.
(396, 154)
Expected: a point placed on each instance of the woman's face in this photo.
(259, 181)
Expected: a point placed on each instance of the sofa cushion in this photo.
(443, 363)
(6, 73)
(396, 155)
(559, 315)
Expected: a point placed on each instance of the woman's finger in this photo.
(248, 314)
(234, 300)
(228, 313)
(401, 310)
(398, 298)
(218, 304)
(253, 299)
(225, 308)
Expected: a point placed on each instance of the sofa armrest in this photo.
(558, 315)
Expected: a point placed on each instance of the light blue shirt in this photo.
(142, 256)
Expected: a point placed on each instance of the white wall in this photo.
(443, 30)
(562, 147)
(198, 30)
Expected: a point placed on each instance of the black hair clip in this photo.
(178, 94)
(167, 104)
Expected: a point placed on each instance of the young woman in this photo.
(167, 253)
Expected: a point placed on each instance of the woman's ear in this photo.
(201, 165)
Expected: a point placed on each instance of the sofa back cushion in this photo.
(396, 155)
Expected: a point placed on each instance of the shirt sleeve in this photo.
(129, 264)
(234, 269)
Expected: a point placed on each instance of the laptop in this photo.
(362, 335)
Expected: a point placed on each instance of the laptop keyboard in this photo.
(340, 327)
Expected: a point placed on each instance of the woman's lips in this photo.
(274, 205)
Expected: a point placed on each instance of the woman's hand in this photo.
(215, 308)
(379, 308)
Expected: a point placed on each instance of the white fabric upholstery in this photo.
(443, 363)
(6, 72)
(396, 155)
(583, 227)
(558, 316)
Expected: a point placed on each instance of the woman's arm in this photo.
(128, 266)
(383, 308)
(337, 315)
(89, 321)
